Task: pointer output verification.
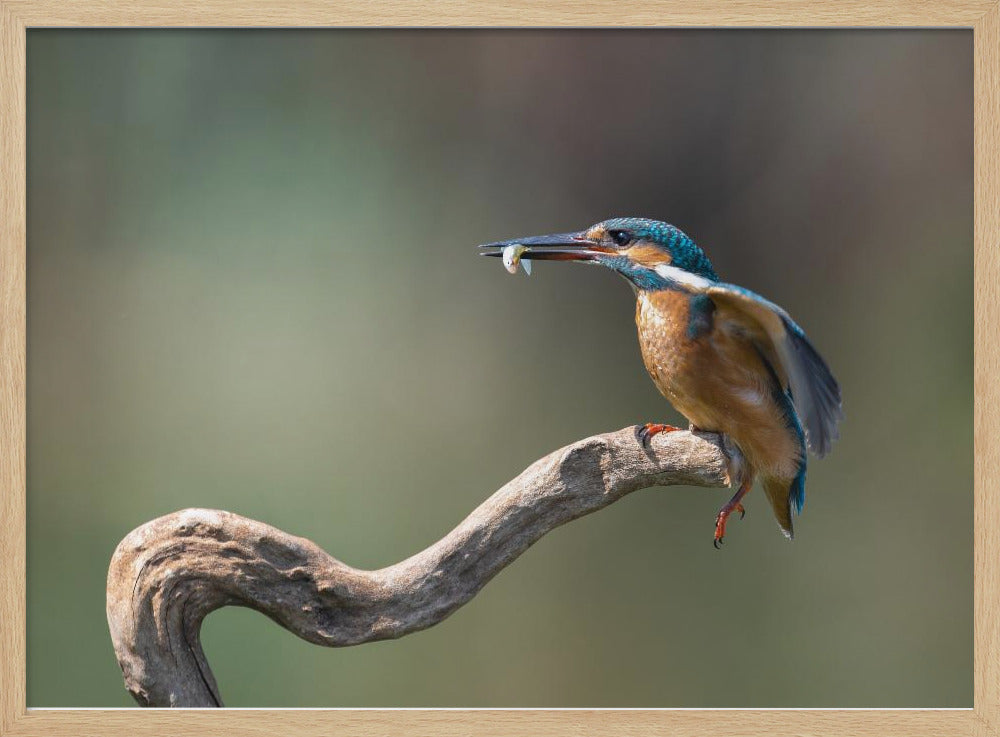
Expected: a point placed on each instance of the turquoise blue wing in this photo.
(815, 393)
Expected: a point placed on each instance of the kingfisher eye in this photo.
(620, 237)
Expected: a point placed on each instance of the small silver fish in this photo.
(512, 257)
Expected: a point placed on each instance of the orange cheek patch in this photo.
(647, 255)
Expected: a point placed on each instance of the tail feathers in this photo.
(777, 493)
(784, 495)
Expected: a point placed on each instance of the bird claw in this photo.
(720, 523)
(650, 429)
(733, 505)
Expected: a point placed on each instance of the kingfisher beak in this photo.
(557, 247)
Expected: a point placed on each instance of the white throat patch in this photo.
(682, 277)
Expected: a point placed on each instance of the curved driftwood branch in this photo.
(168, 574)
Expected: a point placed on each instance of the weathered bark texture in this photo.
(168, 574)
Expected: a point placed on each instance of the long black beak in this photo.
(557, 247)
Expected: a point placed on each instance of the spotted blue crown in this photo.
(683, 252)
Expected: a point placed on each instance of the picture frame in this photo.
(17, 16)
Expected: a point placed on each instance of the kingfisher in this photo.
(730, 361)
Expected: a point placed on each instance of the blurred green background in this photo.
(252, 285)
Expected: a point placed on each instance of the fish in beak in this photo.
(512, 257)
(557, 247)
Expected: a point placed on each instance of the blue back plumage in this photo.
(783, 398)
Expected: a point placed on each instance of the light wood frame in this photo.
(16, 16)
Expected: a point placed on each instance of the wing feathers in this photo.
(815, 393)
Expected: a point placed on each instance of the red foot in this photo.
(650, 429)
(733, 505)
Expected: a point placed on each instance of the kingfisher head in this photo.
(649, 253)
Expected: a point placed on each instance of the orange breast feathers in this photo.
(716, 378)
